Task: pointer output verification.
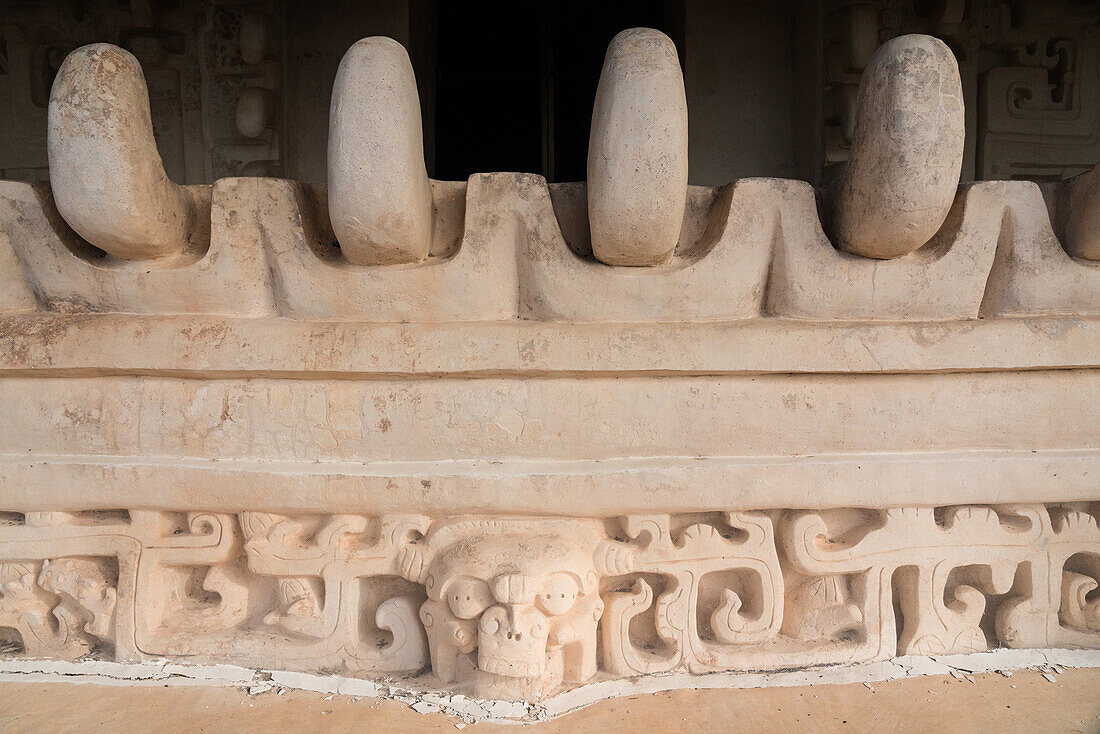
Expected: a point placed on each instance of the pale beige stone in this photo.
(469, 274)
(953, 564)
(1075, 213)
(1061, 610)
(67, 275)
(1032, 273)
(393, 419)
(15, 294)
(380, 199)
(106, 173)
(479, 461)
(512, 607)
(944, 279)
(907, 147)
(638, 151)
(750, 248)
(719, 270)
(522, 594)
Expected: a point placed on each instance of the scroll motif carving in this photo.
(722, 594)
(942, 565)
(518, 607)
(1058, 606)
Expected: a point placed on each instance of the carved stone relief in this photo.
(771, 447)
(518, 607)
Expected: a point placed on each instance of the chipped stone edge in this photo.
(472, 710)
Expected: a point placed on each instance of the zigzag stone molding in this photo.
(518, 607)
(508, 246)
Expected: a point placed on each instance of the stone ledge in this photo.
(757, 249)
(666, 484)
(164, 673)
(220, 346)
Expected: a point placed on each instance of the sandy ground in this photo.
(1024, 702)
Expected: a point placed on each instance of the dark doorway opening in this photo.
(515, 82)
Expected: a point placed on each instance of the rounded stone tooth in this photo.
(1080, 210)
(907, 149)
(255, 111)
(638, 151)
(107, 177)
(256, 37)
(380, 199)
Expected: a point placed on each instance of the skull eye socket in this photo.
(468, 598)
(558, 594)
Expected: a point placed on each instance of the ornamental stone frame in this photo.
(505, 452)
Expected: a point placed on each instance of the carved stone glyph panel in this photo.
(520, 607)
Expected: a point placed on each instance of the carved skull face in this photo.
(531, 601)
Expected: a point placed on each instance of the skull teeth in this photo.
(512, 668)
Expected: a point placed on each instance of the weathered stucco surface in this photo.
(493, 434)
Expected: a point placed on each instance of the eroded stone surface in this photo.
(106, 173)
(511, 607)
(401, 427)
(907, 149)
(1032, 273)
(758, 251)
(502, 248)
(68, 276)
(637, 153)
(1076, 214)
(380, 200)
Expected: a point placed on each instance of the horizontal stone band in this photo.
(513, 607)
(666, 484)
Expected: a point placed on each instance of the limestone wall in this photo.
(494, 437)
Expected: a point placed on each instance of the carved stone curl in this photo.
(518, 607)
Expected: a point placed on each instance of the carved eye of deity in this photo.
(558, 594)
(468, 597)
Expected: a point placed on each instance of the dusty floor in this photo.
(1025, 702)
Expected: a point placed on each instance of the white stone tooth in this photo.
(107, 177)
(257, 37)
(638, 151)
(379, 196)
(1079, 209)
(907, 150)
(255, 111)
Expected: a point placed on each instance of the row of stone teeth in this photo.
(894, 194)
